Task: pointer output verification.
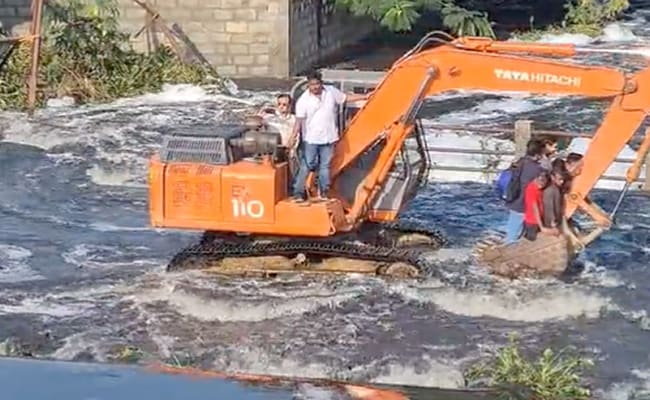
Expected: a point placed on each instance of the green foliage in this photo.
(466, 23)
(593, 12)
(551, 377)
(126, 354)
(85, 56)
(587, 17)
(400, 15)
(582, 16)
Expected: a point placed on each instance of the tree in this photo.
(463, 18)
(400, 15)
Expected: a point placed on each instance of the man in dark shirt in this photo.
(530, 169)
(573, 164)
(549, 152)
(553, 198)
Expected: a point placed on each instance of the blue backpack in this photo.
(508, 188)
(502, 182)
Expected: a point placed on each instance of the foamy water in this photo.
(77, 259)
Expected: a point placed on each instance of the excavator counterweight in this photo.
(232, 181)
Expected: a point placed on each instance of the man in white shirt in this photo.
(281, 120)
(316, 117)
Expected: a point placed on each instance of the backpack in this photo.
(513, 189)
(502, 182)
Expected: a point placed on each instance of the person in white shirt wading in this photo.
(316, 116)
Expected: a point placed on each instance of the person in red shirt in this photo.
(534, 208)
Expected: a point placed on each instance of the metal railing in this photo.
(520, 140)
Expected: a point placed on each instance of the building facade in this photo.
(240, 38)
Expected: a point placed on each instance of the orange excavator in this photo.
(231, 181)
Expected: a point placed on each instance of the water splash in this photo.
(641, 51)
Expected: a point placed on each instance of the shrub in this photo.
(400, 15)
(586, 17)
(85, 56)
(582, 16)
(551, 377)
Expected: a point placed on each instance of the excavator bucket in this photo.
(547, 256)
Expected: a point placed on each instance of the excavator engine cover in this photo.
(218, 145)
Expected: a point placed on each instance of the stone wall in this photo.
(274, 38)
(238, 37)
(15, 16)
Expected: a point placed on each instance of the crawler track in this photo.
(394, 249)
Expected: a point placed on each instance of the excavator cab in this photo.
(410, 168)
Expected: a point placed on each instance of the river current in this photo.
(82, 275)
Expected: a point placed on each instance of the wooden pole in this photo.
(523, 133)
(646, 180)
(160, 22)
(37, 19)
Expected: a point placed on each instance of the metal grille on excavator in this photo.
(195, 149)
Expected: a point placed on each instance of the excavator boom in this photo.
(478, 64)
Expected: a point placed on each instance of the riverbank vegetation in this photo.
(553, 376)
(473, 17)
(85, 56)
(509, 372)
(587, 17)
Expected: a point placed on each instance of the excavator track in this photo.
(408, 233)
(392, 249)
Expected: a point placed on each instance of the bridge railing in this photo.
(520, 134)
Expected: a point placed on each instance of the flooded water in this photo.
(83, 381)
(82, 275)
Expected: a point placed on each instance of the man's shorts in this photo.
(531, 231)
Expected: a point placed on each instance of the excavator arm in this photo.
(479, 64)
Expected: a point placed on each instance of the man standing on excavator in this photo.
(316, 118)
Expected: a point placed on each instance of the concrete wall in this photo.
(276, 38)
(319, 30)
(15, 15)
(239, 37)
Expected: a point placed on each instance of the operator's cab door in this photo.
(347, 111)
